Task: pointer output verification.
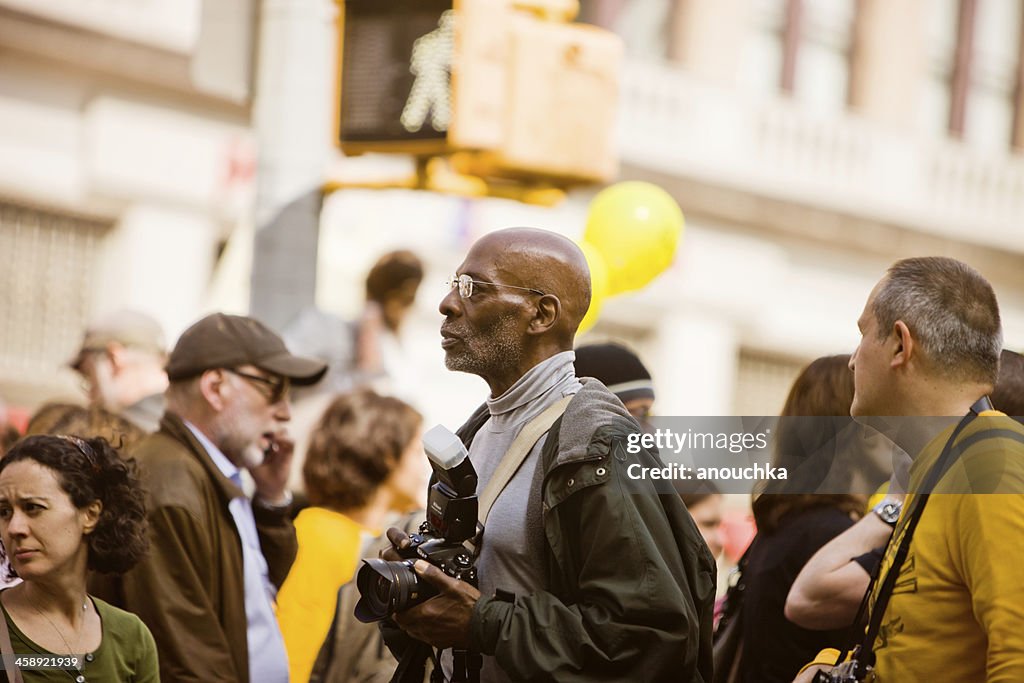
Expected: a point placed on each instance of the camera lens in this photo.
(381, 589)
(387, 587)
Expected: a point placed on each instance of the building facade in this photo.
(810, 143)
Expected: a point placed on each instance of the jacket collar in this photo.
(593, 418)
(174, 427)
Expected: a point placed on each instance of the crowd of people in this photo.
(156, 534)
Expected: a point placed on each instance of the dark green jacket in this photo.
(632, 582)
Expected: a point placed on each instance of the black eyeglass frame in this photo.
(278, 388)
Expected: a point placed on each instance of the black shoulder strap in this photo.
(864, 653)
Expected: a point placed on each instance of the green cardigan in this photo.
(126, 654)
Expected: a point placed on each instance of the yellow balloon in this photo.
(636, 227)
(598, 285)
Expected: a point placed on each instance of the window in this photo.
(46, 280)
(644, 27)
(975, 72)
(941, 41)
(801, 49)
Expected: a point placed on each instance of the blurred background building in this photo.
(172, 156)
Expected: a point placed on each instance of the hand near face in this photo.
(442, 621)
(271, 476)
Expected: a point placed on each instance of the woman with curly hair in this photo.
(364, 465)
(69, 506)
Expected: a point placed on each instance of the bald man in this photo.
(585, 574)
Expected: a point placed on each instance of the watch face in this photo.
(889, 512)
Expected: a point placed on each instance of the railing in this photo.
(674, 124)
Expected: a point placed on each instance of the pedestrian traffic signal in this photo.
(396, 75)
(519, 92)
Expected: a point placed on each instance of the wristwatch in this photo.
(889, 511)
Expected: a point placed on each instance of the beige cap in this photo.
(131, 329)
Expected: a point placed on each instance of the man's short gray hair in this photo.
(950, 310)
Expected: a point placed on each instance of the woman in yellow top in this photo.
(365, 463)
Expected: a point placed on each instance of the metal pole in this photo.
(292, 118)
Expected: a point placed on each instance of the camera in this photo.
(851, 671)
(386, 587)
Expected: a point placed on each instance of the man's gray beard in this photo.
(502, 345)
(241, 454)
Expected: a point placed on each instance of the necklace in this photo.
(78, 638)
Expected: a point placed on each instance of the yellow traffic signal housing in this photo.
(518, 94)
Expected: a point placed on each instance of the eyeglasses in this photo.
(465, 284)
(278, 387)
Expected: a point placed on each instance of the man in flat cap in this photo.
(121, 361)
(207, 588)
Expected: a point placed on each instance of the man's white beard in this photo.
(252, 456)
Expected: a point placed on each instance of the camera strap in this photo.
(864, 653)
(515, 455)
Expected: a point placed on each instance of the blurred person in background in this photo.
(622, 371)
(369, 351)
(354, 652)
(207, 588)
(381, 360)
(364, 467)
(121, 362)
(791, 527)
(87, 422)
(706, 509)
(69, 506)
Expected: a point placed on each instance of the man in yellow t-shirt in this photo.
(931, 337)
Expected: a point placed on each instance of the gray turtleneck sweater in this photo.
(512, 556)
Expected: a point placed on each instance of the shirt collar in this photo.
(226, 467)
(537, 381)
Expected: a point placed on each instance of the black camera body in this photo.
(388, 587)
(453, 558)
(850, 671)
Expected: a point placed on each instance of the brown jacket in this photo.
(190, 588)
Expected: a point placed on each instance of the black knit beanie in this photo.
(617, 368)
